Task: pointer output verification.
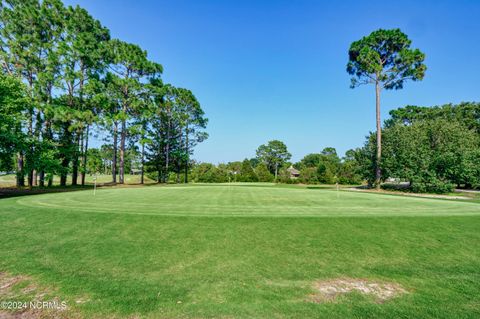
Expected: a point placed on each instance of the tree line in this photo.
(65, 79)
(424, 149)
(272, 164)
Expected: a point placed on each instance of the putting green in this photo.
(241, 200)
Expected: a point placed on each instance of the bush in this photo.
(209, 173)
(263, 173)
(432, 185)
(247, 174)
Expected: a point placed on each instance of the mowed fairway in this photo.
(237, 251)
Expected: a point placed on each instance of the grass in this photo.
(243, 251)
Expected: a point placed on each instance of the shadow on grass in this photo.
(24, 191)
(6, 192)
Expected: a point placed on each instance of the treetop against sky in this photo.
(276, 69)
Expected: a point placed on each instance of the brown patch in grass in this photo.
(6, 282)
(329, 290)
(14, 289)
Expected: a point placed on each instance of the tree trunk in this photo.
(114, 160)
(30, 176)
(167, 154)
(122, 152)
(47, 135)
(80, 154)
(75, 160)
(276, 171)
(20, 172)
(167, 162)
(42, 178)
(63, 175)
(84, 159)
(143, 164)
(66, 155)
(29, 154)
(186, 155)
(378, 172)
(37, 132)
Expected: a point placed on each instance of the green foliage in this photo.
(385, 56)
(309, 175)
(436, 152)
(285, 177)
(350, 169)
(209, 173)
(247, 174)
(325, 174)
(175, 126)
(466, 112)
(434, 149)
(77, 78)
(327, 168)
(263, 173)
(274, 154)
(95, 162)
(13, 103)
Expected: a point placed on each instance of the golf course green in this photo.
(242, 251)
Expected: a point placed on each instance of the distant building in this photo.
(294, 173)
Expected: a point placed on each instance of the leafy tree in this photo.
(254, 162)
(433, 155)
(350, 169)
(83, 53)
(165, 131)
(466, 112)
(274, 154)
(320, 167)
(62, 55)
(384, 58)
(208, 173)
(130, 65)
(95, 161)
(110, 117)
(263, 174)
(176, 127)
(13, 102)
(247, 174)
(309, 174)
(193, 122)
(29, 35)
(309, 160)
(325, 174)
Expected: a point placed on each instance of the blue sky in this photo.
(267, 70)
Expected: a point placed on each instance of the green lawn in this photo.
(243, 251)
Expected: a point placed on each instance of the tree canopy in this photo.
(274, 154)
(75, 81)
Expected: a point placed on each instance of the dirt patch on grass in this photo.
(22, 298)
(6, 282)
(329, 290)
